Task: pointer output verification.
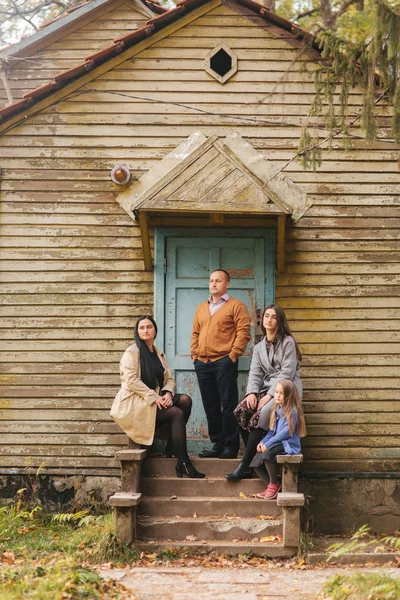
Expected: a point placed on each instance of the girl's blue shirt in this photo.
(281, 433)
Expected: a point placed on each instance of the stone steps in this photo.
(203, 506)
(157, 510)
(216, 487)
(207, 515)
(212, 467)
(231, 548)
(207, 528)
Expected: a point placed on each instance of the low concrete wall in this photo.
(342, 505)
(58, 493)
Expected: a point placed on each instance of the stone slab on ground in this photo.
(249, 583)
(373, 552)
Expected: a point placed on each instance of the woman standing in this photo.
(146, 399)
(276, 357)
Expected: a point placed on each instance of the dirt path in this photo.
(200, 583)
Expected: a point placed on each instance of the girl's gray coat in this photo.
(267, 368)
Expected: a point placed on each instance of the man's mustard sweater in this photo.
(225, 332)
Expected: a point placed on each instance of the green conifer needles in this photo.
(373, 66)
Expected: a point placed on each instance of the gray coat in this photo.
(267, 368)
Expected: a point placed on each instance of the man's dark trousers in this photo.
(218, 388)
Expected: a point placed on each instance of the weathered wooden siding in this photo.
(73, 279)
(40, 67)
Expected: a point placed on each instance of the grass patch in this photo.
(362, 587)
(36, 534)
(45, 556)
(57, 579)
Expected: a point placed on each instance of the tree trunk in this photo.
(269, 4)
(328, 18)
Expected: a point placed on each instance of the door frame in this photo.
(160, 235)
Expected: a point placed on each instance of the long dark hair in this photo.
(147, 374)
(291, 401)
(282, 327)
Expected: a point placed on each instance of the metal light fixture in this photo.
(121, 174)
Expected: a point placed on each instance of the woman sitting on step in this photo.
(276, 357)
(147, 400)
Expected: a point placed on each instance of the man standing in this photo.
(221, 332)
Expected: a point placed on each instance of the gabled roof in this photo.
(131, 39)
(206, 175)
(64, 20)
(222, 180)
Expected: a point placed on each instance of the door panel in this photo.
(189, 261)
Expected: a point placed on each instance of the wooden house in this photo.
(68, 40)
(205, 104)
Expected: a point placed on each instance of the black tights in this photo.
(177, 416)
(251, 440)
(268, 472)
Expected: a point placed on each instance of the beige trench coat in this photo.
(134, 408)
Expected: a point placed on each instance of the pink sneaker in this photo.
(262, 494)
(271, 492)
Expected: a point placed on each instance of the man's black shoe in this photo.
(228, 453)
(215, 452)
(240, 473)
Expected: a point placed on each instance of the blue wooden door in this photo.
(187, 263)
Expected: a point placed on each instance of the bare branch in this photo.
(307, 13)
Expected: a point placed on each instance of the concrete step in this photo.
(167, 486)
(204, 506)
(208, 528)
(231, 548)
(212, 467)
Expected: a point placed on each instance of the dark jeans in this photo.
(219, 393)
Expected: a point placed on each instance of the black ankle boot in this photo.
(185, 467)
(241, 472)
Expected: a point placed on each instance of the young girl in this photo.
(287, 426)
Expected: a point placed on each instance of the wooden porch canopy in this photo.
(212, 182)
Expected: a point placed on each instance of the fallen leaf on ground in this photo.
(8, 557)
(242, 495)
(174, 498)
(271, 538)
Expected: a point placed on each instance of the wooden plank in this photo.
(356, 407)
(72, 369)
(281, 246)
(350, 452)
(66, 427)
(332, 383)
(63, 462)
(55, 415)
(338, 280)
(350, 465)
(63, 356)
(75, 299)
(83, 450)
(73, 264)
(349, 291)
(350, 417)
(66, 334)
(109, 311)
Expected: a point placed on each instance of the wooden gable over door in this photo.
(213, 182)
